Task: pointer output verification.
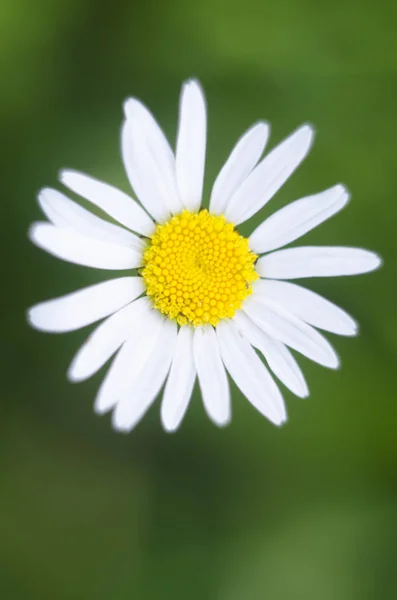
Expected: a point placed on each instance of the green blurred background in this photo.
(306, 511)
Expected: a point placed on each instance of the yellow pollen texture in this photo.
(198, 269)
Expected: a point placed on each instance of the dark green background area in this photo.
(307, 511)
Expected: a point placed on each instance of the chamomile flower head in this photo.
(198, 299)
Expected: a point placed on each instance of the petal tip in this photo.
(264, 127)
(33, 232)
(192, 82)
(193, 87)
(44, 199)
(31, 317)
(64, 174)
(119, 428)
(342, 192)
(98, 408)
(68, 178)
(222, 422)
(42, 193)
(98, 411)
(307, 129)
(377, 261)
(169, 427)
(373, 261)
(119, 422)
(306, 133)
(354, 330)
(302, 391)
(281, 419)
(129, 106)
(72, 374)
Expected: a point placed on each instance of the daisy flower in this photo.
(199, 299)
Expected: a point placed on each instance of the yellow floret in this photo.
(198, 269)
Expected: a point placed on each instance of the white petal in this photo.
(249, 373)
(153, 162)
(117, 377)
(238, 166)
(211, 375)
(137, 400)
(140, 172)
(307, 305)
(277, 355)
(297, 218)
(82, 250)
(85, 306)
(268, 177)
(105, 340)
(66, 214)
(191, 143)
(112, 201)
(180, 382)
(292, 331)
(131, 358)
(317, 261)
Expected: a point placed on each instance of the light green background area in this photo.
(307, 511)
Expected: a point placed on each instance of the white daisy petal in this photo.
(211, 375)
(66, 214)
(317, 261)
(191, 143)
(277, 355)
(81, 250)
(307, 305)
(249, 373)
(131, 358)
(141, 169)
(292, 331)
(135, 402)
(153, 157)
(117, 377)
(112, 201)
(180, 382)
(297, 218)
(104, 341)
(239, 165)
(267, 178)
(85, 306)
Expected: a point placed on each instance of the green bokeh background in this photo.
(251, 511)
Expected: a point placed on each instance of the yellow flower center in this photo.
(198, 269)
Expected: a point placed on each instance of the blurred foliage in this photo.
(252, 511)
